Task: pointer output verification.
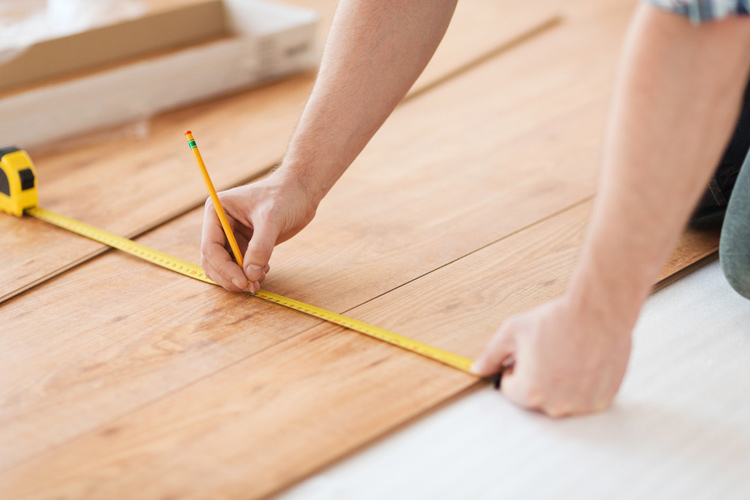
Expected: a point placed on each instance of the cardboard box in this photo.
(160, 26)
(263, 41)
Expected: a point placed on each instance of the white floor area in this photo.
(679, 429)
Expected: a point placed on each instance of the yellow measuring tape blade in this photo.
(196, 272)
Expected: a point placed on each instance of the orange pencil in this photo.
(214, 198)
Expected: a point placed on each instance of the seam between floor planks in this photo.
(706, 259)
(486, 57)
(487, 245)
(475, 62)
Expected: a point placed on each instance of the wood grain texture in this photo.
(360, 246)
(695, 248)
(128, 185)
(251, 429)
(467, 207)
(136, 336)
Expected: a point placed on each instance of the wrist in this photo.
(314, 181)
(612, 301)
(296, 180)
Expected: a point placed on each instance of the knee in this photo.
(734, 247)
(736, 267)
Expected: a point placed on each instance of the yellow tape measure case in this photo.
(17, 181)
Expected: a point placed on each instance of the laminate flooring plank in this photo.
(128, 185)
(693, 250)
(374, 233)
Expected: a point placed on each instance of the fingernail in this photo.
(478, 367)
(239, 284)
(474, 368)
(255, 287)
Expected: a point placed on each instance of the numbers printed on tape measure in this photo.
(196, 272)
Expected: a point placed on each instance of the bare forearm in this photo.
(375, 52)
(677, 100)
(675, 107)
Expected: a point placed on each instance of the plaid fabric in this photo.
(700, 11)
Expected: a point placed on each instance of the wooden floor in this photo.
(124, 380)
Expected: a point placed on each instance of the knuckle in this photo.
(265, 213)
(528, 398)
(225, 269)
(209, 274)
(601, 406)
(533, 397)
(557, 411)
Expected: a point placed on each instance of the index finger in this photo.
(215, 256)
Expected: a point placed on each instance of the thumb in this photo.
(498, 350)
(259, 250)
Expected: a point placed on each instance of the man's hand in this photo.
(375, 51)
(679, 92)
(261, 215)
(565, 360)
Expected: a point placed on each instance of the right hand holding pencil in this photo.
(261, 214)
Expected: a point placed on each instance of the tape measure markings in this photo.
(196, 272)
